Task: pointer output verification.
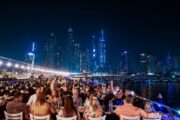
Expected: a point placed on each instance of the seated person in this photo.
(94, 109)
(118, 99)
(33, 98)
(109, 96)
(129, 110)
(16, 105)
(138, 102)
(76, 99)
(147, 107)
(54, 99)
(41, 107)
(69, 109)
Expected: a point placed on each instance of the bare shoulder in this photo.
(47, 104)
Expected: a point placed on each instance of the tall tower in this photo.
(73, 53)
(76, 61)
(85, 61)
(93, 55)
(58, 57)
(52, 50)
(70, 49)
(52, 53)
(102, 50)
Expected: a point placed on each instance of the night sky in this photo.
(151, 27)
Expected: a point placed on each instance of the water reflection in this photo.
(169, 91)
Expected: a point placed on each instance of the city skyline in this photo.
(141, 27)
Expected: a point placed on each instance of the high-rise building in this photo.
(124, 61)
(93, 55)
(85, 61)
(52, 50)
(169, 64)
(143, 60)
(160, 68)
(30, 56)
(59, 57)
(52, 53)
(153, 64)
(102, 51)
(73, 53)
(177, 63)
(76, 66)
(70, 49)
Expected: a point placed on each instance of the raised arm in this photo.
(52, 86)
(112, 86)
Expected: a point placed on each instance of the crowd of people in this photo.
(68, 98)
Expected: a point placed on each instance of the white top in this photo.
(32, 99)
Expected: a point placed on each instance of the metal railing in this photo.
(168, 113)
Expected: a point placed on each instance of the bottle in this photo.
(110, 106)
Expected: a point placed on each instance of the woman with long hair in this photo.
(69, 109)
(94, 109)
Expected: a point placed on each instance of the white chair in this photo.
(99, 118)
(159, 118)
(68, 118)
(15, 116)
(129, 118)
(34, 117)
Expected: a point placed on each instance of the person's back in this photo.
(129, 110)
(40, 109)
(16, 105)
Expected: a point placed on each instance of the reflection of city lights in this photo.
(22, 67)
(31, 54)
(28, 67)
(178, 111)
(16, 65)
(9, 64)
(142, 54)
(159, 105)
(1, 63)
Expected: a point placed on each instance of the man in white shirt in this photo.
(33, 97)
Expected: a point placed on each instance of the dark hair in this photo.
(17, 94)
(129, 98)
(38, 86)
(41, 98)
(69, 108)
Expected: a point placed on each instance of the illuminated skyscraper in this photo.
(73, 53)
(52, 53)
(52, 50)
(93, 55)
(76, 62)
(30, 56)
(85, 61)
(142, 65)
(124, 61)
(59, 57)
(70, 49)
(102, 50)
